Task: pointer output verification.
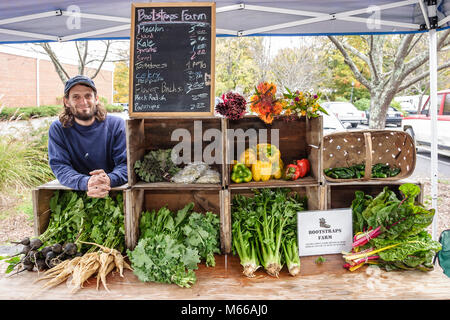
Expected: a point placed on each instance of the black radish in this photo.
(57, 248)
(41, 265)
(70, 249)
(26, 267)
(46, 250)
(35, 243)
(25, 251)
(24, 241)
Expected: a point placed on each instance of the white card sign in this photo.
(324, 232)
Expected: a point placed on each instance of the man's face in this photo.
(82, 102)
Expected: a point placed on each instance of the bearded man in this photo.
(87, 147)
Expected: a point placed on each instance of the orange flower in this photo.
(264, 103)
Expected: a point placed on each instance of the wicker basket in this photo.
(344, 149)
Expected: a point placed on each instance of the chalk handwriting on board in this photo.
(172, 59)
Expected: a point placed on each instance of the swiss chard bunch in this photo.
(185, 238)
(391, 231)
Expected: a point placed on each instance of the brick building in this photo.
(29, 79)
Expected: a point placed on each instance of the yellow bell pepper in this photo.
(268, 152)
(277, 169)
(248, 157)
(261, 170)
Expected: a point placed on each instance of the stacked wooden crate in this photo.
(300, 138)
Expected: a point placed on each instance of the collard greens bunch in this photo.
(172, 244)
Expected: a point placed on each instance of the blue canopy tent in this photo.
(23, 21)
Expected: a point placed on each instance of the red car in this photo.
(419, 125)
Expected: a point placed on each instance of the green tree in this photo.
(391, 61)
(339, 79)
(121, 82)
(235, 67)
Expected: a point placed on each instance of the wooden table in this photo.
(329, 281)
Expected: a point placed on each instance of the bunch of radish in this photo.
(43, 258)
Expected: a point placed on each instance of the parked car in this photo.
(393, 116)
(346, 112)
(125, 107)
(332, 124)
(419, 125)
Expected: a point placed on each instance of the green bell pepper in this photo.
(241, 173)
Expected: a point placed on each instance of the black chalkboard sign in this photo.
(172, 59)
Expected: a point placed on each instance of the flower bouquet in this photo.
(264, 103)
(303, 104)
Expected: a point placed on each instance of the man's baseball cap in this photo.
(79, 80)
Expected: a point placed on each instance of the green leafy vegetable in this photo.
(264, 230)
(183, 239)
(163, 258)
(76, 217)
(391, 232)
(156, 166)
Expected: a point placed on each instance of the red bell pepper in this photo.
(304, 167)
(292, 172)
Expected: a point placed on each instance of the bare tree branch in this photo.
(357, 53)
(372, 65)
(86, 43)
(62, 73)
(421, 59)
(411, 47)
(402, 50)
(422, 76)
(108, 44)
(350, 63)
(79, 57)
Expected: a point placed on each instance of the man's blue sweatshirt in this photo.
(77, 150)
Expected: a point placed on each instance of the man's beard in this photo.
(85, 116)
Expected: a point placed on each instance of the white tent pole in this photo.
(433, 112)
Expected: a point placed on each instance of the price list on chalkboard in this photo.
(172, 54)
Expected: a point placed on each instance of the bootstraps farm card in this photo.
(324, 232)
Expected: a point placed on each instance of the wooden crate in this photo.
(300, 138)
(146, 199)
(155, 133)
(41, 203)
(341, 195)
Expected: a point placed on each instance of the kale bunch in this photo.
(171, 245)
(156, 166)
